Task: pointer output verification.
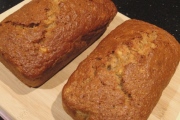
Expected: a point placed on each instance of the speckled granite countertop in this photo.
(163, 13)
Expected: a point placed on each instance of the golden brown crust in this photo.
(44, 35)
(123, 78)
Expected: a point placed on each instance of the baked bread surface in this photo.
(124, 77)
(43, 36)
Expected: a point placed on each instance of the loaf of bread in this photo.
(43, 36)
(124, 77)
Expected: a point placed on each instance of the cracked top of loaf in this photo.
(123, 78)
(39, 34)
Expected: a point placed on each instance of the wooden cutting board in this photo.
(20, 102)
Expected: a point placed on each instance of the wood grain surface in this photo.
(19, 102)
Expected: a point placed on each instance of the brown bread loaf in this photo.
(44, 35)
(124, 77)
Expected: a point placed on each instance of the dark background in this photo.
(6, 4)
(163, 13)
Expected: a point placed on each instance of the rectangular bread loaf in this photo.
(43, 36)
(124, 77)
